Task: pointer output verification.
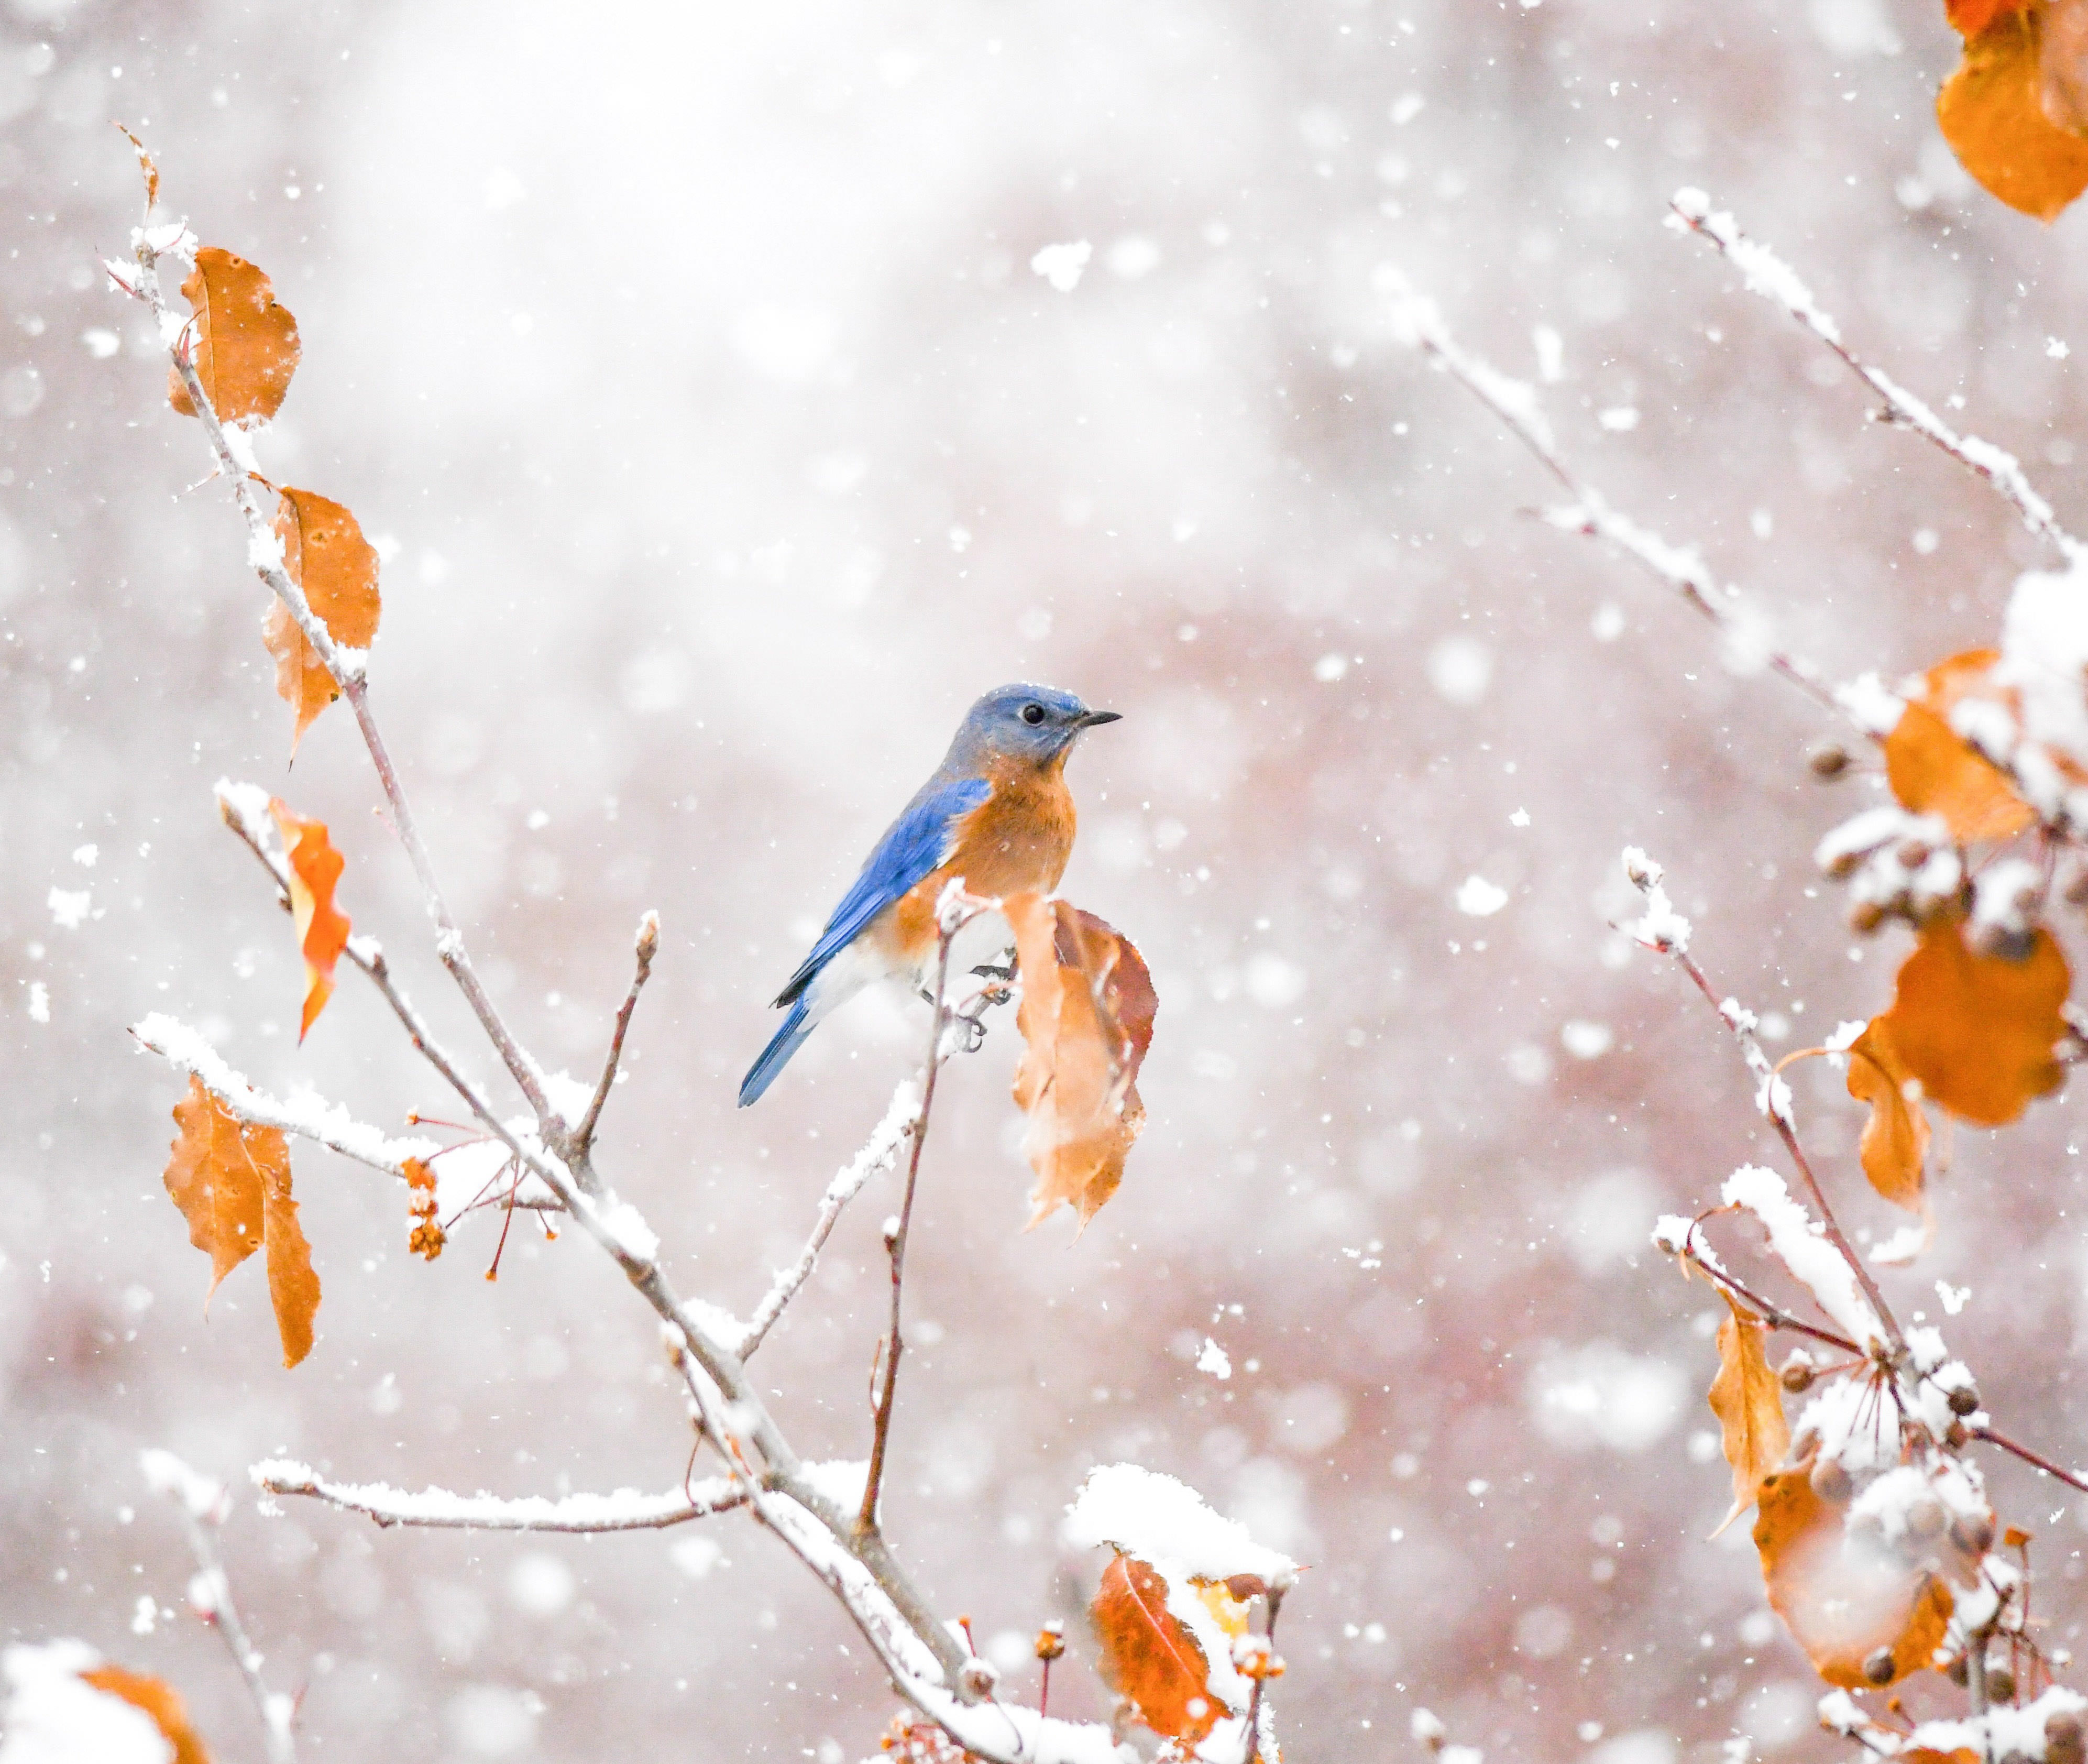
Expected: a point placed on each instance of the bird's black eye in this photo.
(1033, 714)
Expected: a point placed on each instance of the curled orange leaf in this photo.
(243, 341)
(160, 1701)
(1748, 1399)
(1969, 18)
(1993, 111)
(315, 867)
(232, 1182)
(325, 554)
(1086, 1018)
(1895, 1142)
(1978, 1031)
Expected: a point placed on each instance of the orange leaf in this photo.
(1086, 1018)
(243, 343)
(1845, 1595)
(315, 867)
(232, 1183)
(1993, 113)
(1932, 769)
(2063, 64)
(1970, 17)
(158, 1700)
(325, 554)
(1927, 1754)
(1149, 1657)
(1978, 1030)
(1895, 1143)
(1748, 1399)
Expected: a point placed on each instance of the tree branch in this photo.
(646, 946)
(203, 1506)
(867, 1522)
(901, 1122)
(1417, 323)
(1768, 274)
(625, 1510)
(2073, 1478)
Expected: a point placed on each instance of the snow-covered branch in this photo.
(880, 1152)
(626, 1509)
(1417, 323)
(1766, 274)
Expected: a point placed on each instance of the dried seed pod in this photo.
(1798, 1373)
(2076, 891)
(1050, 1642)
(1879, 1666)
(1958, 1672)
(2000, 1684)
(1973, 1532)
(1912, 854)
(1964, 1399)
(1804, 1444)
(1865, 917)
(1957, 1436)
(1829, 1481)
(1925, 1518)
(1829, 761)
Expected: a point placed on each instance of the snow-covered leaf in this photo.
(243, 341)
(325, 554)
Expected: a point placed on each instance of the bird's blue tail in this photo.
(777, 1054)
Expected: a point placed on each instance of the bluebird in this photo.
(997, 812)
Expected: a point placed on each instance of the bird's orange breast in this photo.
(1016, 842)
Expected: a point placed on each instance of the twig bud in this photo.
(1829, 761)
(1964, 1399)
(648, 937)
(1051, 1640)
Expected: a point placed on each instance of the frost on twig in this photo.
(1662, 927)
(880, 1152)
(204, 1506)
(1766, 274)
(1417, 323)
(627, 1509)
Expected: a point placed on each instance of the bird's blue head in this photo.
(1022, 721)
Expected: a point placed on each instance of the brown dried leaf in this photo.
(1844, 1594)
(1149, 1657)
(232, 1183)
(325, 554)
(1978, 1031)
(158, 1700)
(1086, 1018)
(1993, 113)
(244, 344)
(1895, 1143)
(1748, 1399)
(315, 867)
(152, 174)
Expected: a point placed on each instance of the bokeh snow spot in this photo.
(1601, 1394)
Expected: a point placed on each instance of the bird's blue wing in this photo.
(915, 846)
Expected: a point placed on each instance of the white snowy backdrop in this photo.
(690, 362)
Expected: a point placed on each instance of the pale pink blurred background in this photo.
(689, 362)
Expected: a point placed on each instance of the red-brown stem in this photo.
(1044, 1692)
(865, 1521)
(647, 946)
(2072, 1479)
(1775, 1316)
(1789, 1135)
(1254, 1703)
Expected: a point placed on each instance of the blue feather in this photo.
(912, 847)
(777, 1054)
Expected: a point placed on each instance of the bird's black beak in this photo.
(1089, 719)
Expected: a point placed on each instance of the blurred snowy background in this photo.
(690, 361)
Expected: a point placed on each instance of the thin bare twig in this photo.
(438, 1510)
(1775, 1109)
(203, 1505)
(1773, 1314)
(1767, 275)
(2073, 1478)
(901, 1122)
(645, 947)
(1417, 322)
(865, 1523)
(1275, 1596)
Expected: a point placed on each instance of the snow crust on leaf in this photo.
(54, 1716)
(1800, 1242)
(1163, 1520)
